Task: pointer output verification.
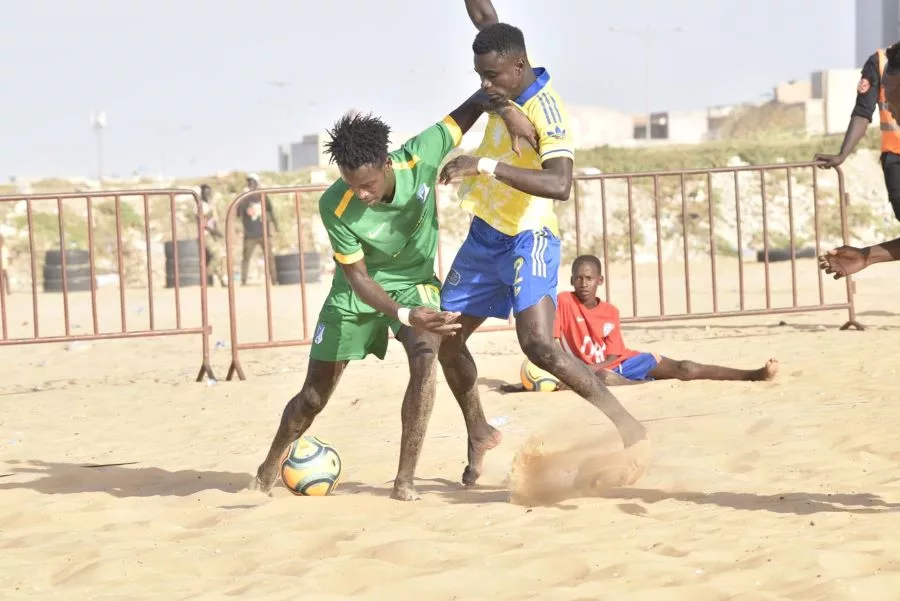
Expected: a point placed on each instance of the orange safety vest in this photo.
(890, 131)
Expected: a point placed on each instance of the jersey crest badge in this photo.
(320, 331)
(422, 193)
(608, 328)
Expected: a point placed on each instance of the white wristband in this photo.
(486, 166)
(403, 316)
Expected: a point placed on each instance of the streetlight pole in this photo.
(98, 122)
(645, 35)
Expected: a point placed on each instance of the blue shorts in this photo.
(636, 368)
(494, 273)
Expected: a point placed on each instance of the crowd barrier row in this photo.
(670, 205)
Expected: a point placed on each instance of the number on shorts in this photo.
(430, 295)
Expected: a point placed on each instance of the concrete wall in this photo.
(792, 92)
(877, 26)
(837, 88)
(687, 127)
(308, 152)
(815, 116)
(597, 126)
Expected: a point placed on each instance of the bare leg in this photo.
(670, 369)
(462, 377)
(322, 378)
(534, 327)
(421, 351)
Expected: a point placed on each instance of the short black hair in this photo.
(205, 187)
(358, 140)
(587, 259)
(892, 53)
(502, 38)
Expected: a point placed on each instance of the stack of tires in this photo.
(188, 263)
(78, 270)
(287, 268)
(784, 254)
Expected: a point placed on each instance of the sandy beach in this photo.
(756, 491)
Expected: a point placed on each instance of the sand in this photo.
(777, 490)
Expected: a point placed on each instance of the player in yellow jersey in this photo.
(511, 257)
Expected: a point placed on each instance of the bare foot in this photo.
(768, 371)
(256, 485)
(477, 448)
(632, 433)
(264, 479)
(404, 492)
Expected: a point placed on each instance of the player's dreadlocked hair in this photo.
(358, 140)
(501, 38)
(588, 259)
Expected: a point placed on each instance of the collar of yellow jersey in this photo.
(542, 78)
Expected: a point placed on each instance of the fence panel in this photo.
(686, 231)
(95, 250)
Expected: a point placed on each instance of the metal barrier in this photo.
(632, 184)
(63, 217)
(764, 173)
(231, 213)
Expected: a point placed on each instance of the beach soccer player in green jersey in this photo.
(381, 220)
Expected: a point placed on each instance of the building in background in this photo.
(877, 26)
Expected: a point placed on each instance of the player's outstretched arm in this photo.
(482, 13)
(469, 111)
(847, 260)
(371, 293)
(553, 180)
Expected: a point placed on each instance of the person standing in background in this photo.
(4, 266)
(214, 236)
(250, 210)
(871, 92)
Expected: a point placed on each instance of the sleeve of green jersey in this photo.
(346, 246)
(433, 144)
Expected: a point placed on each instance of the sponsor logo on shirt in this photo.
(422, 193)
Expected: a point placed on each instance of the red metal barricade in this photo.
(642, 190)
(761, 194)
(77, 213)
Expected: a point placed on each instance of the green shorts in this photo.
(345, 334)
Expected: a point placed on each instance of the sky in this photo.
(193, 87)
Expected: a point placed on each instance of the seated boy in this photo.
(589, 329)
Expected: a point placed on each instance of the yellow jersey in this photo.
(503, 207)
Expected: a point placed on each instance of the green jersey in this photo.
(398, 239)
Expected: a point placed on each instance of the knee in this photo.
(305, 404)
(423, 357)
(450, 348)
(687, 370)
(543, 354)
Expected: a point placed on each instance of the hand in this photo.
(844, 261)
(461, 166)
(439, 322)
(519, 127)
(828, 161)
